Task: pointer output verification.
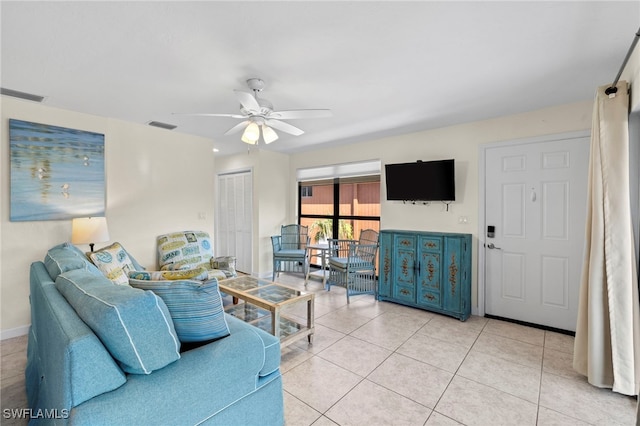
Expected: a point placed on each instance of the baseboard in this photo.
(530, 324)
(14, 332)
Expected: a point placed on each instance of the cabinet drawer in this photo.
(404, 293)
(430, 243)
(429, 298)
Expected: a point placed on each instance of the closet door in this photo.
(234, 218)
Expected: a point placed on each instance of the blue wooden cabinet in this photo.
(427, 270)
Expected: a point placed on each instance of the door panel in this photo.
(555, 281)
(451, 261)
(535, 197)
(555, 210)
(513, 276)
(513, 220)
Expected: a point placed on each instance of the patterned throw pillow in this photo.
(227, 264)
(195, 307)
(114, 262)
(184, 250)
(199, 274)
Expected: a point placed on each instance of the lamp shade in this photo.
(268, 134)
(251, 134)
(89, 230)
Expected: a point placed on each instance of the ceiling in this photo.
(383, 68)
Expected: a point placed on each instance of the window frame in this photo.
(335, 216)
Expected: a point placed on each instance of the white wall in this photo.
(631, 73)
(146, 196)
(461, 142)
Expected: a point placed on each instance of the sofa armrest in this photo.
(67, 363)
(203, 382)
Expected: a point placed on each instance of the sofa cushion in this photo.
(195, 307)
(134, 325)
(114, 262)
(184, 250)
(198, 274)
(290, 253)
(67, 257)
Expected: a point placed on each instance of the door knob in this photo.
(493, 246)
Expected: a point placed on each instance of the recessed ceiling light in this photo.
(216, 150)
(21, 95)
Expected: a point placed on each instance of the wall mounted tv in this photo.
(421, 181)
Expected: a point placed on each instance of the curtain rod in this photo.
(613, 88)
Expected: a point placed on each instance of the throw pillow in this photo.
(227, 264)
(67, 257)
(195, 307)
(184, 250)
(199, 274)
(134, 325)
(114, 262)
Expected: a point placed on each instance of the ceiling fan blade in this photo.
(237, 127)
(210, 114)
(301, 113)
(285, 127)
(247, 100)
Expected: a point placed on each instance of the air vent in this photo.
(21, 95)
(162, 125)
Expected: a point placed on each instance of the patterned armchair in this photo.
(192, 249)
(352, 264)
(290, 252)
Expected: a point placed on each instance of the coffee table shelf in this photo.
(261, 318)
(263, 302)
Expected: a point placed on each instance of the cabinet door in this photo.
(404, 265)
(452, 287)
(386, 260)
(429, 271)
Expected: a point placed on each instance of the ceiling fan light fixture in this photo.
(268, 134)
(251, 134)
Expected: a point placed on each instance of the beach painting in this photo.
(56, 173)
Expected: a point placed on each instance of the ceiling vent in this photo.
(162, 125)
(21, 95)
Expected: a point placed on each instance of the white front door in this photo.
(535, 200)
(234, 218)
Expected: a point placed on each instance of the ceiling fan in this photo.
(258, 113)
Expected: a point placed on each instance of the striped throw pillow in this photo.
(195, 307)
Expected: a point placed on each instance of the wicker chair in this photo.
(352, 264)
(290, 252)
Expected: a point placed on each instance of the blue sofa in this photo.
(72, 377)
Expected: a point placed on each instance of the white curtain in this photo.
(607, 344)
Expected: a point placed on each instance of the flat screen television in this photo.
(421, 181)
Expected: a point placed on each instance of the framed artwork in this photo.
(56, 172)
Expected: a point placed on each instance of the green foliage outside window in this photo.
(323, 229)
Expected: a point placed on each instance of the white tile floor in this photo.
(376, 363)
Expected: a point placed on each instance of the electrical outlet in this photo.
(202, 215)
(463, 220)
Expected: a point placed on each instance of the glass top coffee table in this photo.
(264, 301)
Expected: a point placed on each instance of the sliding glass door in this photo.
(339, 207)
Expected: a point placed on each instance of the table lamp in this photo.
(89, 230)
